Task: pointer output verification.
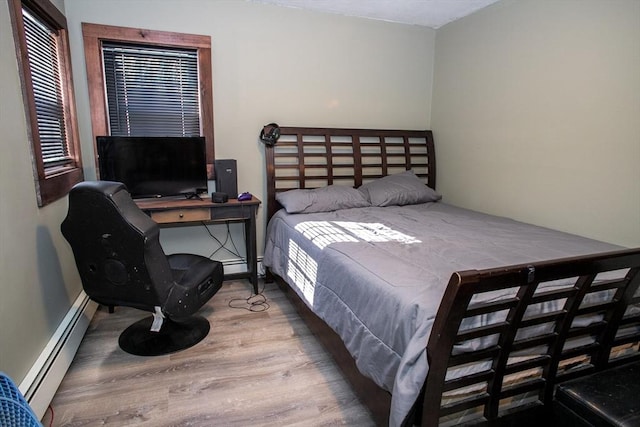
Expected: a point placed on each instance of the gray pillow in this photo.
(325, 199)
(404, 188)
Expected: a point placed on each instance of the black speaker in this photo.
(219, 197)
(226, 177)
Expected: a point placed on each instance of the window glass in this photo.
(151, 91)
(43, 55)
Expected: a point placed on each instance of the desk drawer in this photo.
(181, 215)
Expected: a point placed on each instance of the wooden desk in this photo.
(173, 212)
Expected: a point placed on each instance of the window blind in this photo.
(42, 50)
(151, 91)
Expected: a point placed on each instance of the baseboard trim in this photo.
(46, 374)
(238, 265)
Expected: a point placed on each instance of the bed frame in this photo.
(509, 389)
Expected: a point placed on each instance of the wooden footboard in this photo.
(584, 336)
(589, 333)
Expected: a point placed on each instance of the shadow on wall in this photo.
(54, 294)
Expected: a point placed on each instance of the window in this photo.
(149, 83)
(151, 91)
(42, 45)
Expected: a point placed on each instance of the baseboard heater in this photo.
(46, 374)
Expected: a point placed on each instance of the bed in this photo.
(437, 314)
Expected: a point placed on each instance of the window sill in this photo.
(57, 184)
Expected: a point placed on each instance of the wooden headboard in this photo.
(316, 157)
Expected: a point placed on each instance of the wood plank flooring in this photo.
(253, 369)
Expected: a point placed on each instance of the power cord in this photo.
(237, 252)
(49, 408)
(256, 303)
(222, 245)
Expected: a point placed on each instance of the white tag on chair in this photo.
(158, 318)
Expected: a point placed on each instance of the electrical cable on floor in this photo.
(256, 303)
(52, 414)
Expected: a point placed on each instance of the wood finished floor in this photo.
(253, 369)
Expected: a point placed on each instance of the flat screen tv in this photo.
(154, 166)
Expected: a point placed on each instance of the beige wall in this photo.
(536, 114)
(294, 67)
(38, 277)
(270, 64)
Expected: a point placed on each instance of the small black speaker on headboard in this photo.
(226, 177)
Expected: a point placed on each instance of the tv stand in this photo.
(170, 212)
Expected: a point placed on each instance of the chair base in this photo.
(175, 335)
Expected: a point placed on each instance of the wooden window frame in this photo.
(95, 34)
(52, 183)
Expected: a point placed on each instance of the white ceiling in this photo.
(428, 13)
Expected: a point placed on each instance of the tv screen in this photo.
(154, 166)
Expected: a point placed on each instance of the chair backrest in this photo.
(116, 247)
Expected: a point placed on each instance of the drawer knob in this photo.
(181, 215)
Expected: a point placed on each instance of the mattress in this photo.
(376, 275)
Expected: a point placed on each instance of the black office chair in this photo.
(121, 263)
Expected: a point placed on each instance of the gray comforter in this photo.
(377, 275)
